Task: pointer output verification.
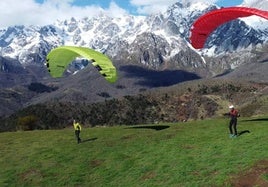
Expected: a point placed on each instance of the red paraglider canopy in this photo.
(207, 23)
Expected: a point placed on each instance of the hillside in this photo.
(168, 154)
(191, 100)
(167, 95)
(159, 71)
(87, 86)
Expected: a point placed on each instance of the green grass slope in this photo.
(196, 153)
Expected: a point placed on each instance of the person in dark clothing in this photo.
(77, 130)
(233, 121)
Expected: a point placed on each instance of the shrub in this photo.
(27, 123)
(40, 88)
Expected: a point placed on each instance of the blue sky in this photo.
(42, 12)
(226, 3)
(133, 5)
(126, 3)
(129, 6)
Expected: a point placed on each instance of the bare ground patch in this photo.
(255, 176)
(31, 175)
(96, 163)
(149, 175)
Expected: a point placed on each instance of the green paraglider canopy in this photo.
(59, 58)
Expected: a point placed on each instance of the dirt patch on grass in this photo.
(96, 163)
(31, 175)
(149, 175)
(187, 146)
(127, 137)
(255, 176)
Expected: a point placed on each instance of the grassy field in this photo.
(191, 154)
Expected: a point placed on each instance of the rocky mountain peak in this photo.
(150, 40)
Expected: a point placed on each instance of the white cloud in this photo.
(115, 11)
(29, 12)
(151, 6)
(155, 6)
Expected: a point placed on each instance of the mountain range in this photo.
(149, 52)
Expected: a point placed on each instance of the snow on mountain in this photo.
(151, 40)
(255, 21)
(260, 4)
(241, 33)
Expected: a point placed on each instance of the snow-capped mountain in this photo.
(241, 33)
(158, 41)
(260, 4)
(149, 52)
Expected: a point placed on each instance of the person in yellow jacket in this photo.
(77, 130)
